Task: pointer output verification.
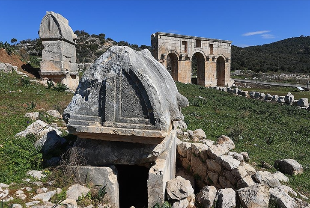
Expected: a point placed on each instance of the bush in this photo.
(60, 87)
(17, 156)
(25, 81)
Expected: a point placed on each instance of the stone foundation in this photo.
(160, 159)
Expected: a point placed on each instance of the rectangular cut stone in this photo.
(101, 153)
(198, 167)
(100, 176)
(160, 173)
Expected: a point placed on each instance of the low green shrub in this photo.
(17, 156)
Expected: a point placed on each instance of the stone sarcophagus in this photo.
(126, 96)
(123, 113)
(59, 52)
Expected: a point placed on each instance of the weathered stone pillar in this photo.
(59, 53)
(185, 70)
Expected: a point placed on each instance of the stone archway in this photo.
(172, 65)
(220, 71)
(198, 69)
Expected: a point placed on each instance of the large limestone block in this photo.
(102, 153)
(44, 196)
(239, 172)
(75, 191)
(213, 166)
(100, 176)
(245, 182)
(183, 148)
(55, 26)
(289, 98)
(179, 188)
(303, 102)
(217, 150)
(226, 141)
(199, 134)
(199, 149)
(198, 167)
(228, 162)
(281, 195)
(226, 198)
(289, 166)
(266, 178)
(256, 196)
(206, 196)
(280, 176)
(34, 128)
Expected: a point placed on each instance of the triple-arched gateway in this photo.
(196, 60)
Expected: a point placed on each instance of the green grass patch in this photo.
(19, 95)
(267, 131)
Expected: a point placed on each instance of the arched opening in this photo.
(220, 71)
(172, 65)
(198, 69)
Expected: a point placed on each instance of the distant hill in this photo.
(288, 55)
(88, 47)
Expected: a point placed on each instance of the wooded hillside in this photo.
(288, 55)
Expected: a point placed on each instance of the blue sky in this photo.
(245, 22)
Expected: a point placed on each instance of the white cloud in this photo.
(256, 33)
(267, 36)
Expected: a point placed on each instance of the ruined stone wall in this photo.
(176, 52)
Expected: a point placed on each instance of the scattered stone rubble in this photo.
(48, 135)
(224, 177)
(40, 196)
(7, 68)
(288, 99)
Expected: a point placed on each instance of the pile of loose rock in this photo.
(225, 179)
(221, 177)
(288, 99)
(38, 194)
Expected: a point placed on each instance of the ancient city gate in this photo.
(196, 60)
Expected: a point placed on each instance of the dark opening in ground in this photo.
(132, 181)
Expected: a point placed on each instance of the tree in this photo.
(13, 40)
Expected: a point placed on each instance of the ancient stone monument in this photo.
(59, 53)
(197, 60)
(123, 113)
